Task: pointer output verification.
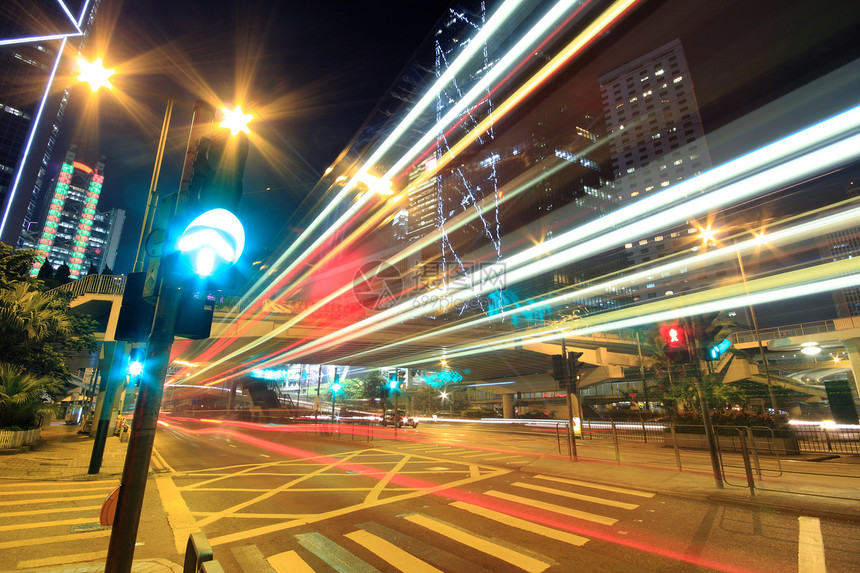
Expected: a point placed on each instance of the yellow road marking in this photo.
(516, 558)
(395, 556)
(554, 508)
(479, 454)
(810, 546)
(69, 484)
(270, 493)
(597, 486)
(523, 524)
(275, 527)
(579, 496)
(63, 560)
(42, 491)
(289, 562)
(50, 510)
(47, 524)
(383, 482)
(51, 500)
(179, 517)
(54, 539)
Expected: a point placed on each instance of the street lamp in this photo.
(97, 76)
(707, 235)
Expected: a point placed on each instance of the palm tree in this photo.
(20, 398)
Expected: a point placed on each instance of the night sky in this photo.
(314, 71)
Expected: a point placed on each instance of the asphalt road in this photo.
(451, 497)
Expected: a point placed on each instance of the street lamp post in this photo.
(773, 402)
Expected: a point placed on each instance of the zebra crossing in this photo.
(52, 516)
(443, 540)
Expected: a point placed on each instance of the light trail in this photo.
(450, 491)
(573, 48)
(777, 239)
(266, 285)
(522, 266)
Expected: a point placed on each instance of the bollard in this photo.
(675, 444)
(747, 467)
(615, 439)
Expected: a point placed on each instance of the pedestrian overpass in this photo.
(505, 372)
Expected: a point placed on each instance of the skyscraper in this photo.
(73, 232)
(656, 139)
(32, 43)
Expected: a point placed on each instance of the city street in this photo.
(447, 497)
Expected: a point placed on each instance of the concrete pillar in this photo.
(852, 346)
(507, 405)
(231, 397)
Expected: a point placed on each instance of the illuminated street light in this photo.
(236, 120)
(95, 74)
(707, 235)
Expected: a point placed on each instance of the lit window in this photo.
(643, 242)
(646, 94)
(643, 78)
(634, 194)
(679, 161)
(659, 72)
(631, 169)
(678, 79)
(658, 238)
(655, 136)
(634, 98)
(664, 184)
(649, 188)
(628, 246)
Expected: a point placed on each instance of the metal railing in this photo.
(95, 284)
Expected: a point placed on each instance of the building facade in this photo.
(31, 105)
(73, 232)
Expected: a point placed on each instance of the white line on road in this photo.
(810, 546)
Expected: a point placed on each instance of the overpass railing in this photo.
(796, 330)
(95, 284)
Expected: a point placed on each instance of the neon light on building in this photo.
(85, 226)
(52, 221)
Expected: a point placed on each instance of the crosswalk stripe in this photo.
(333, 554)
(434, 555)
(397, 557)
(554, 508)
(810, 546)
(523, 524)
(51, 500)
(597, 486)
(50, 510)
(579, 496)
(54, 539)
(289, 562)
(43, 491)
(18, 526)
(62, 560)
(513, 557)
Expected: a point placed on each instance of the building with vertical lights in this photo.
(32, 42)
(73, 232)
(843, 244)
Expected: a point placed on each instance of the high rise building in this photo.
(33, 38)
(656, 139)
(73, 232)
(844, 244)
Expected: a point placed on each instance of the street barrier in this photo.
(198, 555)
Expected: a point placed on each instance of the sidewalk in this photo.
(64, 455)
(828, 488)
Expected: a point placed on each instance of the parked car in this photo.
(399, 420)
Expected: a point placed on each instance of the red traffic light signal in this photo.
(674, 336)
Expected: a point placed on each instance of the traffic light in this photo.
(392, 380)
(336, 386)
(675, 342)
(574, 368)
(136, 358)
(558, 369)
(214, 238)
(713, 335)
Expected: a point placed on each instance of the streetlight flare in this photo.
(95, 74)
(236, 120)
(707, 235)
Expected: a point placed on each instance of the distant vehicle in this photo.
(400, 420)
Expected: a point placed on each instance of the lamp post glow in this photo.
(236, 121)
(95, 74)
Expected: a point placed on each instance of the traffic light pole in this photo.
(568, 377)
(136, 469)
(706, 411)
